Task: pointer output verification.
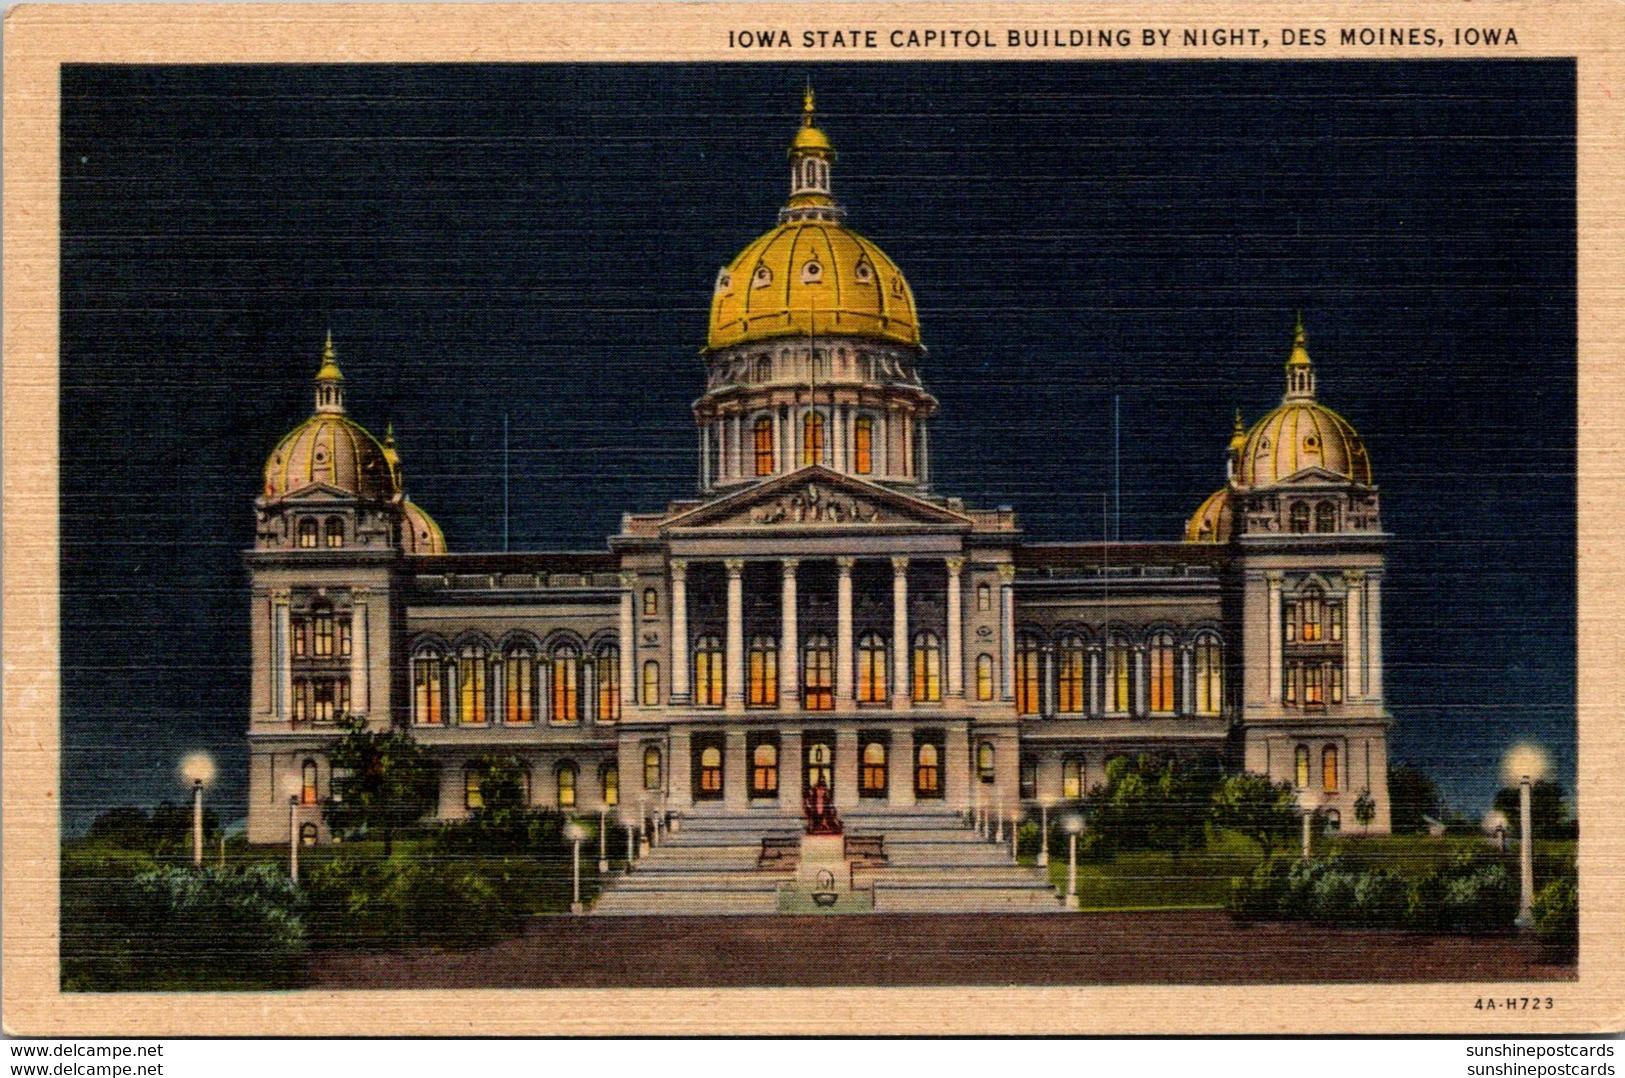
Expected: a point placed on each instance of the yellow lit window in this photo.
(426, 682)
(1311, 607)
(1027, 671)
(567, 785)
(609, 781)
(708, 671)
(871, 669)
(927, 771)
(564, 707)
(651, 683)
(984, 761)
(651, 768)
(471, 674)
(817, 674)
(1072, 664)
(518, 687)
(335, 532)
(1301, 769)
(764, 445)
(863, 445)
(874, 770)
(607, 682)
(1328, 768)
(1072, 778)
(1118, 677)
(651, 602)
(711, 771)
(1313, 686)
(307, 533)
(764, 672)
(1334, 621)
(1162, 674)
(984, 677)
(471, 789)
(307, 783)
(927, 668)
(1209, 676)
(764, 773)
(812, 437)
(323, 635)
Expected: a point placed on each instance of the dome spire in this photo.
(330, 381)
(810, 158)
(1238, 441)
(1300, 371)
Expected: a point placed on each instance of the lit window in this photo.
(1301, 759)
(1299, 521)
(651, 683)
(307, 783)
(871, 669)
(1325, 517)
(708, 673)
(1209, 675)
(1334, 679)
(607, 682)
(471, 675)
(1334, 620)
(1118, 675)
(1291, 615)
(564, 706)
(764, 445)
(1072, 778)
(928, 771)
(927, 668)
(329, 699)
(1073, 665)
(1289, 690)
(609, 782)
(710, 773)
(764, 771)
(307, 834)
(812, 437)
(651, 602)
(1311, 607)
(984, 677)
(471, 789)
(874, 770)
(518, 685)
(984, 597)
(1027, 671)
(335, 531)
(1313, 686)
(1328, 768)
(307, 533)
(984, 761)
(323, 634)
(863, 445)
(1162, 674)
(651, 768)
(763, 683)
(301, 700)
(427, 680)
(566, 782)
(817, 674)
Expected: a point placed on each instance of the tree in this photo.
(1252, 805)
(1149, 804)
(1365, 809)
(1411, 796)
(1548, 814)
(382, 781)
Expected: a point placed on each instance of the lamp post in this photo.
(1525, 764)
(1073, 825)
(1043, 833)
(1306, 808)
(631, 845)
(575, 834)
(199, 767)
(293, 838)
(603, 839)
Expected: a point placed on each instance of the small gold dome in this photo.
(812, 277)
(419, 533)
(332, 450)
(1212, 521)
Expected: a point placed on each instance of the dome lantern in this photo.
(810, 158)
(1300, 371)
(329, 382)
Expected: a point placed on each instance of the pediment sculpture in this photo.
(814, 505)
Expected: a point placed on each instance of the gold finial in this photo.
(807, 106)
(1238, 428)
(389, 433)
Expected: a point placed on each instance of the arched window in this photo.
(609, 784)
(1028, 665)
(307, 834)
(764, 770)
(651, 768)
(1209, 675)
(863, 445)
(564, 706)
(1072, 663)
(812, 437)
(874, 770)
(428, 703)
(651, 602)
(518, 684)
(1027, 781)
(710, 772)
(307, 533)
(1299, 520)
(763, 682)
(335, 531)
(651, 683)
(818, 674)
(1325, 517)
(607, 682)
(1119, 675)
(708, 671)
(471, 789)
(984, 761)
(307, 783)
(927, 668)
(1162, 659)
(984, 597)
(565, 780)
(984, 677)
(871, 669)
(1328, 768)
(1311, 609)
(1072, 778)
(1301, 768)
(763, 431)
(472, 672)
(927, 770)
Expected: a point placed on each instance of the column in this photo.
(1373, 626)
(1274, 607)
(838, 421)
(1187, 679)
(734, 684)
(1046, 681)
(781, 463)
(1353, 616)
(901, 694)
(956, 777)
(675, 774)
(735, 771)
(843, 634)
(789, 639)
(359, 683)
(587, 684)
(790, 771)
(1007, 632)
(629, 643)
(736, 460)
(679, 632)
(281, 663)
(1097, 696)
(846, 769)
(705, 456)
(956, 629)
(1141, 682)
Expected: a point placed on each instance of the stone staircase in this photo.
(934, 864)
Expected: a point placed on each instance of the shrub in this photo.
(1471, 894)
(1557, 915)
(1381, 899)
(401, 901)
(1027, 839)
(1325, 892)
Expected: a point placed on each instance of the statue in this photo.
(820, 811)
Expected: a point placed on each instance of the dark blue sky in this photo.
(542, 240)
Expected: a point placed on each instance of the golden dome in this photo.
(1211, 523)
(810, 277)
(1301, 434)
(419, 533)
(332, 450)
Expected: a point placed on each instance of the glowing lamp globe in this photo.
(1072, 824)
(1495, 820)
(198, 767)
(1524, 761)
(575, 832)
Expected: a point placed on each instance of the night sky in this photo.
(541, 241)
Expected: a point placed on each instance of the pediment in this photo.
(816, 498)
(318, 494)
(1314, 476)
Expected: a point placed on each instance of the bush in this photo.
(1557, 915)
(1027, 839)
(1471, 894)
(1382, 899)
(401, 901)
(1325, 892)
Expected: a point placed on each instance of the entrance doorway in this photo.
(819, 762)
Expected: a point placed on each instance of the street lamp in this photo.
(1072, 825)
(1525, 764)
(1015, 820)
(1495, 826)
(1043, 832)
(603, 839)
(573, 831)
(199, 767)
(1306, 807)
(292, 786)
(631, 842)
